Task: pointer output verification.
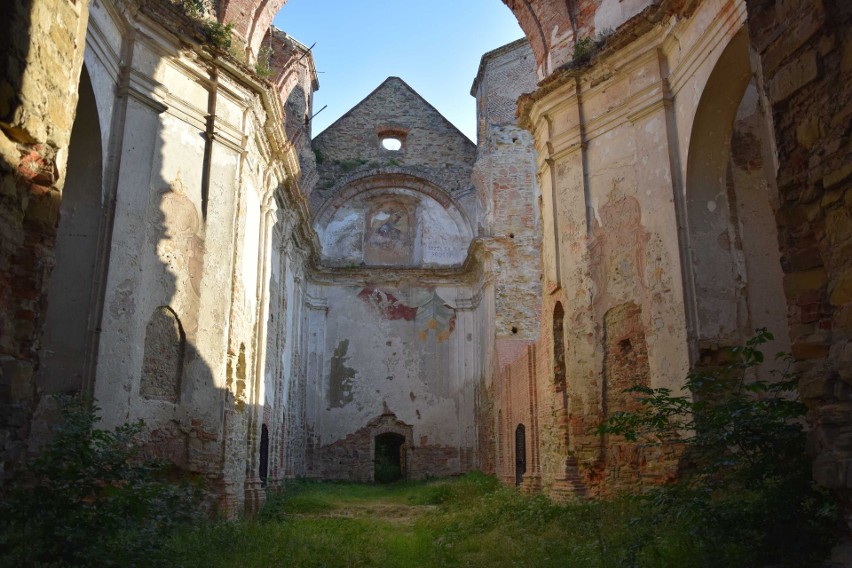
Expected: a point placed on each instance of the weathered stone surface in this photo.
(819, 88)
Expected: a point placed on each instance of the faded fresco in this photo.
(389, 234)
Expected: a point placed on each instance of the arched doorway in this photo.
(389, 457)
(520, 454)
(69, 330)
(736, 277)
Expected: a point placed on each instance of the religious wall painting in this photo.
(180, 248)
(389, 232)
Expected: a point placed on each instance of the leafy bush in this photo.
(583, 49)
(88, 500)
(219, 35)
(746, 489)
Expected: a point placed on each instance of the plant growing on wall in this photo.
(90, 500)
(583, 49)
(263, 67)
(219, 35)
(746, 478)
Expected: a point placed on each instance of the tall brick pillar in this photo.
(41, 54)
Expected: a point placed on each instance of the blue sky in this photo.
(433, 45)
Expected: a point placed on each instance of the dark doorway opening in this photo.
(263, 469)
(520, 454)
(390, 458)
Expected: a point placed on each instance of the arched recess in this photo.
(735, 276)
(390, 221)
(387, 431)
(162, 364)
(69, 330)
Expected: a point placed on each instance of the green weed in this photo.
(90, 500)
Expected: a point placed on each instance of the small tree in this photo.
(745, 480)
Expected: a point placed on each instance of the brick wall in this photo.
(505, 181)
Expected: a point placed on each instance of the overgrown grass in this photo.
(471, 521)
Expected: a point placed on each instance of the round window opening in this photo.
(392, 144)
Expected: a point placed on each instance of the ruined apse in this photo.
(395, 338)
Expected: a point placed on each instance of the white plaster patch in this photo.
(711, 206)
(612, 13)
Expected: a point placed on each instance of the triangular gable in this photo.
(385, 85)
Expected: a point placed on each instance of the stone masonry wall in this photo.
(805, 53)
(41, 53)
(432, 148)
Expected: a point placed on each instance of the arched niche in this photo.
(735, 271)
(162, 365)
(67, 345)
(393, 226)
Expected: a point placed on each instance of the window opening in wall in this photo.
(391, 143)
(560, 377)
(559, 347)
(263, 468)
(520, 454)
(389, 458)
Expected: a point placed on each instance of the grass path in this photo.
(468, 522)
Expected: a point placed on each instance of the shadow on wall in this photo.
(140, 274)
(15, 24)
(16, 352)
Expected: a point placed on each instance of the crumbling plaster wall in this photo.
(284, 398)
(504, 177)
(409, 347)
(396, 313)
(506, 185)
(612, 140)
(197, 169)
(554, 28)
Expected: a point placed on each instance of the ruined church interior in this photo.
(651, 181)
